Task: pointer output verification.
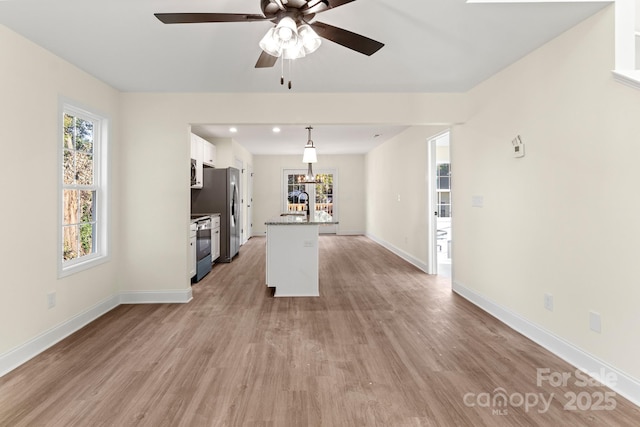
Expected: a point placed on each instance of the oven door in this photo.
(203, 239)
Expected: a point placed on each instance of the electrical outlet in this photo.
(548, 302)
(51, 299)
(595, 323)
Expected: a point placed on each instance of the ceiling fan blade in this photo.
(346, 38)
(317, 6)
(192, 18)
(265, 60)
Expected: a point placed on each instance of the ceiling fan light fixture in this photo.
(286, 32)
(294, 52)
(270, 45)
(310, 40)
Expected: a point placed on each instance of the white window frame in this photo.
(325, 229)
(100, 158)
(626, 65)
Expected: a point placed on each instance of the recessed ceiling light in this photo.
(233, 130)
(276, 129)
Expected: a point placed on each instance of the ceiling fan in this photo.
(283, 13)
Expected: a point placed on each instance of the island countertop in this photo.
(296, 219)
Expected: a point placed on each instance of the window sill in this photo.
(627, 77)
(83, 265)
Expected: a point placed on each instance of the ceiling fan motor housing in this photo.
(273, 12)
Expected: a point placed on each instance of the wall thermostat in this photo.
(518, 147)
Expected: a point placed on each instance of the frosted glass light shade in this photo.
(310, 40)
(294, 52)
(309, 155)
(286, 33)
(270, 45)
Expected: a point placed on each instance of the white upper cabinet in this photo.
(209, 154)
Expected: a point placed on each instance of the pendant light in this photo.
(310, 157)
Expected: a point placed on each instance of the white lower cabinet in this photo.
(215, 238)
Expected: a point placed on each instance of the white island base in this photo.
(292, 258)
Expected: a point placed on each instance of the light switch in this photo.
(477, 201)
(595, 323)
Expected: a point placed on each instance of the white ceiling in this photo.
(430, 46)
(328, 139)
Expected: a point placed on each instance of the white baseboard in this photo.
(402, 254)
(156, 297)
(27, 351)
(624, 384)
(350, 233)
(21, 354)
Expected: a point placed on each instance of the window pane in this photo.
(443, 183)
(69, 169)
(70, 242)
(84, 135)
(295, 189)
(70, 207)
(324, 197)
(67, 139)
(87, 205)
(86, 239)
(84, 168)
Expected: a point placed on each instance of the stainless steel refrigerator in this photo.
(220, 194)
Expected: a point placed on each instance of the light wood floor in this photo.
(384, 345)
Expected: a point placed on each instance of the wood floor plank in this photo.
(384, 345)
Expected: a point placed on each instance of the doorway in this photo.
(440, 205)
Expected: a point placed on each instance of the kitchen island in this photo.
(292, 255)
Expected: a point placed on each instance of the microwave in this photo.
(193, 172)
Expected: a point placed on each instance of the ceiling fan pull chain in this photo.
(282, 72)
(290, 61)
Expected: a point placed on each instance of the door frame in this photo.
(432, 200)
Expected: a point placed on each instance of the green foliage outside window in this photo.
(79, 194)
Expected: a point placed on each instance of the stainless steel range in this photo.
(203, 245)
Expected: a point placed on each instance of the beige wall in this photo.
(564, 219)
(156, 164)
(561, 220)
(349, 198)
(397, 188)
(31, 82)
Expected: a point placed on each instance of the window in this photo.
(323, 192)
(627, 67)
(443, 190)
(82, 190)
